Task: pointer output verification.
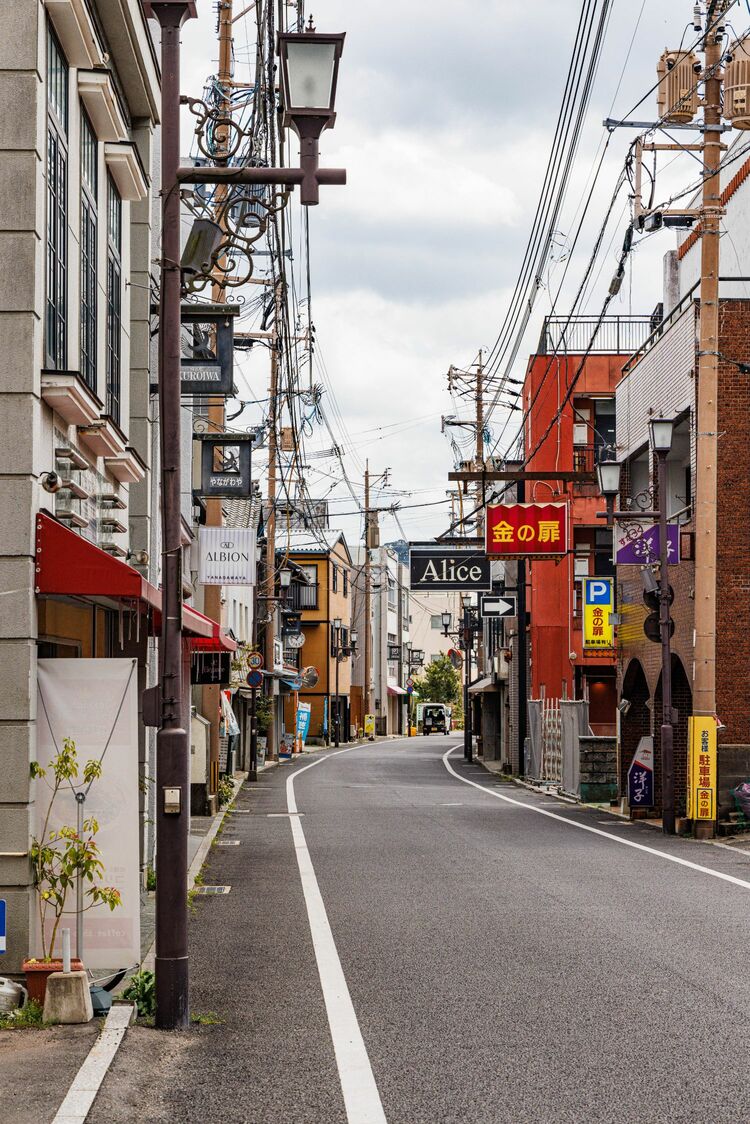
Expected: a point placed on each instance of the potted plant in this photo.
(59, 857)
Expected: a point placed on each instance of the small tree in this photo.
(440, 683)
(59, 858)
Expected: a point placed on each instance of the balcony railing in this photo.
(303, 596)
(584, 458)
(616, 335)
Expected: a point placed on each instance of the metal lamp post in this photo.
(309, 72)
(337, 651)
(661, 432)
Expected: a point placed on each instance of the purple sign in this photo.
(643, 549)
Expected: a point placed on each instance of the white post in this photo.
(66, 950)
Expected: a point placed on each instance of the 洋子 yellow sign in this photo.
(598, 606)
(702, 768)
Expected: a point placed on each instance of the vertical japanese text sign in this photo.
(598, 606)
(702, 768)
(526, 530)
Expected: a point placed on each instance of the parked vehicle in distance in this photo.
(436, 718)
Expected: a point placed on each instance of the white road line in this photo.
(595, 830)
(87, 1083)
(361, 1097)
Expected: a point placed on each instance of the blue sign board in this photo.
(254, 678)
(641, 776)
(3, 932)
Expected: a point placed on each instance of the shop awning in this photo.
(71, 566)
(482, 685)
(395, 690)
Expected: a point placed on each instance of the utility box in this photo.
(677, 95)
(737, 85)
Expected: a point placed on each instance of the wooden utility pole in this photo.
(211, 696)
(270, 580)
(367, 692)
(704, 689)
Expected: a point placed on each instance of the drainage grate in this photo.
(228, 843)
(212, 889)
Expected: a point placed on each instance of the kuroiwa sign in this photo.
(227, 556)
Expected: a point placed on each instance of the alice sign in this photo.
(444, 570)
(226, 556)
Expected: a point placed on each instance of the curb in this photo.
(88, 1081)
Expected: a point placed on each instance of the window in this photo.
(88, 251)
(56, 341)
(346, 582)
(335, 578)
(436, 621)
(114, 299)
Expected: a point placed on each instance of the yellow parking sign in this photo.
(702, 768)
(598, 607)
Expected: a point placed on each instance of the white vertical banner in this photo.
(227, 555)
(95, 703)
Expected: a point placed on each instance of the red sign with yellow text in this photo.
(526, 530)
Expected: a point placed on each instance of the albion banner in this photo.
(526, 530)
(227, 556)
(442, 570)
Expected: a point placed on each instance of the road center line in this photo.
(361, 1097)
(595, 830)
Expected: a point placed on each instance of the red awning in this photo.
(69, 565)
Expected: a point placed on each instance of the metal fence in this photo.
(616, 335)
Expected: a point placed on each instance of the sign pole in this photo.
(467, 679)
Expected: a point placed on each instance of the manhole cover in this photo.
(212, 889)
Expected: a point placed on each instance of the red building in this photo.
(570, 431)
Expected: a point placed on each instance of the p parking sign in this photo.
(598, 607)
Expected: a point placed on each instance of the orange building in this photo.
(571, 431)
(323, 596)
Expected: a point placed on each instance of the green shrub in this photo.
(141, 990)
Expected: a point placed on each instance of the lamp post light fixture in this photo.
(608, 475)
(285, 580)
(446, 618)
(661, 433)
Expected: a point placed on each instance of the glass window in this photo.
(88, 250)
(436, 621)
(57, 206)
(346, 582)
(114, 300)
(335, 579)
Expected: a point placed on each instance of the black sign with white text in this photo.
(442, 571)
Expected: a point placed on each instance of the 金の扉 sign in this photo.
(702, 768)
(227, 555)
(443, 570)
(526, 530)
(598, 606)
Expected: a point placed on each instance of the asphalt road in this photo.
(503, 964)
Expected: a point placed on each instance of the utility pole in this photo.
(270, 582)
(367, 693)
(211, 695)
(704, 689)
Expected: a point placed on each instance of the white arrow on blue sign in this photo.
(3, 934)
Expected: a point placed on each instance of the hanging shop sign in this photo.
(226, 555)
(211, 668)
(526, 530)
(702, 768)
(443, 570)
(226, 463)
(639, 545)
(208, 334)
(598, 607)
(641, 775)
(394, 652)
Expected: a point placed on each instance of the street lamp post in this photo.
(608, 473)
(661, 442)
(414, 658)
(309, 72)
(337, 651)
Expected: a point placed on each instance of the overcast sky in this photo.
(445, 119)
